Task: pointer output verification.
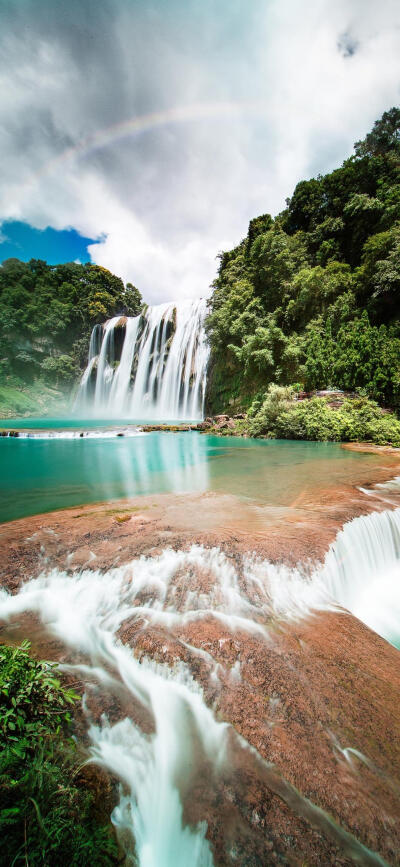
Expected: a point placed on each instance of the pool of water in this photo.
(39, 475)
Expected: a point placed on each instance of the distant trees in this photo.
(47, 313)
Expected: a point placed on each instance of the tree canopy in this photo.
(48, 311)
(312, 297)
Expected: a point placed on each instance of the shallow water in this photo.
(39, 475)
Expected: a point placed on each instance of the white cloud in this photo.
(166, 201)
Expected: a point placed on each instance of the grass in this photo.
(36, 398)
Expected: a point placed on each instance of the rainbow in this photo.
(145, 123)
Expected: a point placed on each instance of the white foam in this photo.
(77, 434)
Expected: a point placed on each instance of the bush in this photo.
(60, 369)
(279, 416)
(45, 817)
(264, 414)
(309, 420)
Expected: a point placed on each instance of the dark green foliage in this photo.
(314, 295)
(384, 137)
(353, 354)
(257, 227)
(48, 311)
(46, 817)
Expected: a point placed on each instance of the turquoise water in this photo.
(72, 423)
(39, 475)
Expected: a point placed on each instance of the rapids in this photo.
(171, 738)
(151, 366)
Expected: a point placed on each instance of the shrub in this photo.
(46, 818)
(279, 415)
(60, 369)
(309, 420)
(266, 413)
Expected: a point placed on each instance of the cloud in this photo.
(347, 45)
(308, 80)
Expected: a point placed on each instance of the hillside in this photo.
(47, 313)
(311, 299)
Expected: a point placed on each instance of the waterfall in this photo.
(94, 350)
(85, 612)
(152, 366)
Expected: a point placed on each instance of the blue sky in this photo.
(20, 241)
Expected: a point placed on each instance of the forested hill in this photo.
(308, 300)
(312, 297)
(47, 313)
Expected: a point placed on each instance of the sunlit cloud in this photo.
(160, 129)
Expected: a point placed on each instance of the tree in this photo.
(46, 311)
(384, 137)
(314, 295)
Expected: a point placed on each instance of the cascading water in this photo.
(160, 371)
(170, 737)
(85, 612)
(362, 571)
(361, 574)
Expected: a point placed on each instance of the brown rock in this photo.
(305, 694)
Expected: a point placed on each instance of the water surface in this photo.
(39, 475)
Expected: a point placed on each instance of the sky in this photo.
(144, 134)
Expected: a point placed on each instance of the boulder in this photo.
(226, 424)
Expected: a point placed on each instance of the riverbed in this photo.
(236, 646)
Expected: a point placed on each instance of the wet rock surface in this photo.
(312, 769)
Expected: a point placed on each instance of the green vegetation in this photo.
(46, 816)
(278, 414)
(36, 398)
(313, 298)
(47, 313)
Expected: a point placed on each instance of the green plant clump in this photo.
(46, 817)
(277, 414)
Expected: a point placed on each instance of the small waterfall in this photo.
(171, 745)
(362, 571)
(160, 371)
(105, 362)
(85, 612)
(94, 350)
